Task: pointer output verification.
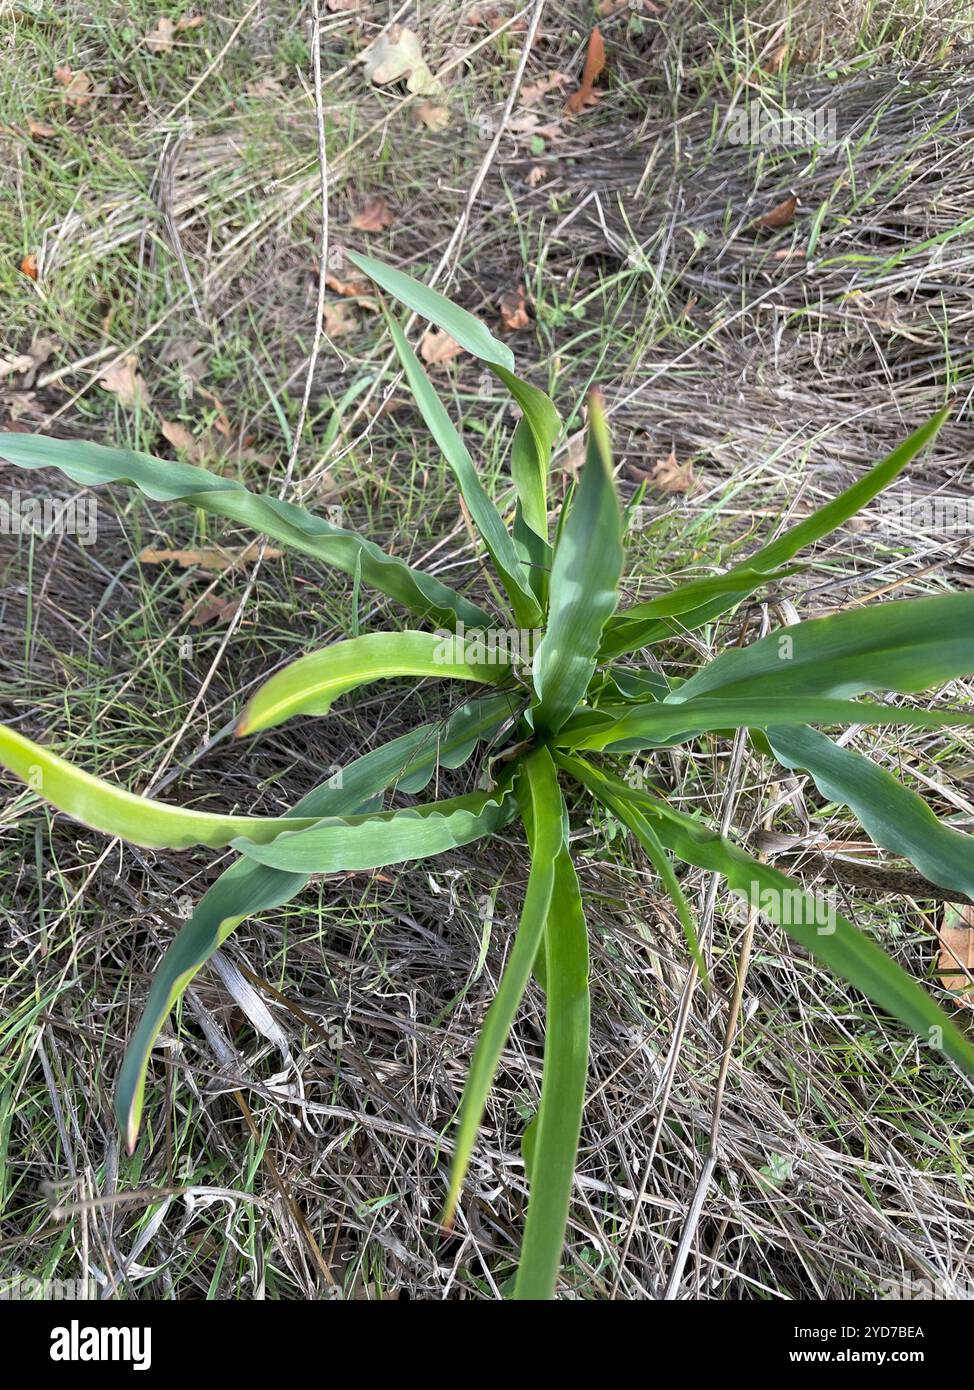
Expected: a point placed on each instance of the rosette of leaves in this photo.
(594, 694)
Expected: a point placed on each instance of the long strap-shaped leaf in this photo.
(584, 584)
(629, 728)
(542, 808)
(247, 888)
(486, 517)
(559, 1118)
(339, 843)
(895, 817)
(906, 646)
(312, 683)
(535, 434)
(835, 941)
(627, 631)
(114, 811)
(754, 571)
(164, 481)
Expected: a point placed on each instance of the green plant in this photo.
(576, 697)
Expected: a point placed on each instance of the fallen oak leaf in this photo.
(374, 216)
(182, 439)
(514, 310)
(27, 364)
(956, 964)
(160, 39)
(432, 116)
(339, 319)
(672, 476)
(219, 611)
(534, 91)
(77, 86)
(122, 379)
(437, 347)
(396, 54)
(40, 130)
(780, 215)
(586, 95)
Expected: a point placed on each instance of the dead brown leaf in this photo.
(211, 558)
(397, 54)
(432, 116)
(586, 95)
(514, 310)
(437, 347)
(672, 476)
(122, 379)
(189, 21)
(182, 439)
(532, 92)
(40, 130)
(28, 266)
(27, 364)
(339, 319)
(159, 39)
(220, 610)
(374, 216)
(78, 86)
(957, 951)
(780, 215)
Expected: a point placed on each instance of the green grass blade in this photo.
(312, 683)
(584, 584)
(629, 728)
(895, 817)
(336, 844)
(554, 1144)
(114, 811)
(778, 552)
(824, 933)
(246, 888)
(486, 517)
(93, 465)
(906, 646)
(543, 810)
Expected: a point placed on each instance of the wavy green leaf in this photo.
(163, 481)
(906, 646)
(246, 888)
(312, 683)
(542, 808)
(339, 843)
(629, 728)
(584, 584)
(114, 811)
(895, 817)
(810, 920)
